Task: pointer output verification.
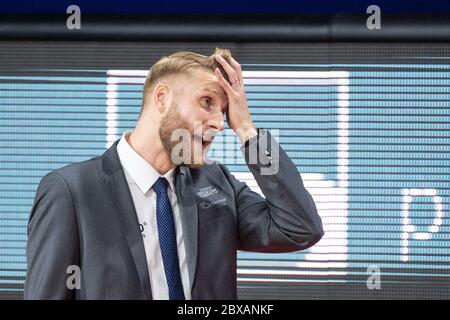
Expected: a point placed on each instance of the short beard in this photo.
(170, 122)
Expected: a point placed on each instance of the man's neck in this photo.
(150, 148)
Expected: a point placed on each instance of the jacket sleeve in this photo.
(287, 219)
(53, 243)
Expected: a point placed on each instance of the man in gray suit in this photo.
(151, 218)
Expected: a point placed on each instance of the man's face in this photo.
(195, 116)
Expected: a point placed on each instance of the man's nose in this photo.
(216, 122)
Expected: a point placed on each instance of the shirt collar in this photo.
(142, 172)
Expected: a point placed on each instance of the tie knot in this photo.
(160, 186)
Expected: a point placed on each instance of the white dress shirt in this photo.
(141, 176)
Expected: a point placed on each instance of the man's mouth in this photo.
(205, 141)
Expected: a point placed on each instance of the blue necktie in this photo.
(168, 240)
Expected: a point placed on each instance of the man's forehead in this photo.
(207, 81)
(205, 78)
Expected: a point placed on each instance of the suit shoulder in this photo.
(75, 171)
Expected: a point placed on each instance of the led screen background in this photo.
(366, 124)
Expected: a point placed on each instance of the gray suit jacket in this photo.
(84, 215)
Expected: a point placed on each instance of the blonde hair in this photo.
(183, 62)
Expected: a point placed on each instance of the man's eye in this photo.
(205, 102)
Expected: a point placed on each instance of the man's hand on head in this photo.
(238, 114)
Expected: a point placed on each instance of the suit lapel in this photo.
(187, 203)
(123, 203)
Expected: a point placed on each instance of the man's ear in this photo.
(160, 96)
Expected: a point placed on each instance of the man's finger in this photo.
(223, 82)
(228, 69)
(237, 67)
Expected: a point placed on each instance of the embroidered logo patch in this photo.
(206, 191)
